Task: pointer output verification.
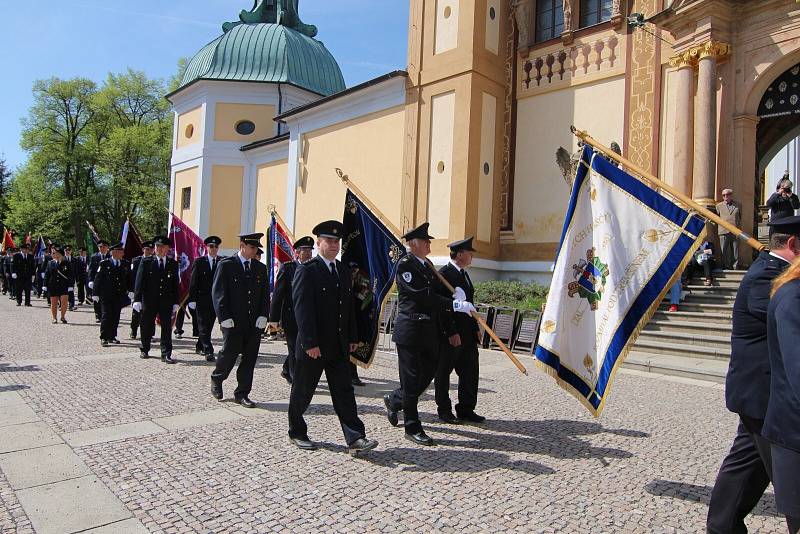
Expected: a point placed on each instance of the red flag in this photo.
(28, 238)
(279, 249)
(187, 247)
(131, 240)
(8, 240)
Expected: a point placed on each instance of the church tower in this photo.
(455, 111)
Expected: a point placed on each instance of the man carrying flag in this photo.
(187, 247)
(279, 249)
(94, 265)
(131, 240)
(155, 294)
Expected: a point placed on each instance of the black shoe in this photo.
(362, 445)
(210, 357)
(97, 320)
(199, 352)
(29, 305)
(115, 341)
(178, 335)
(143, 355)
(286, 376)
(247, 403)
(472, 417)
(71, 309)
(132, 336)
(304, 444)
(449, 418)
(216, 391)
(168, 359)
(391, 413)
(63, 320)
(421, 438)
(357, 382)
(104, 343)
(18, 304)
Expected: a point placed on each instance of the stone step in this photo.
(699, 307)
(687, 339)
(678, 343)
(682, 316)
(665, 364)
(702, 328)
(730, 288)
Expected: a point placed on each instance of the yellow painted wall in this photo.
(270, 189)
(190, 122)
(543, 121)
(183, 179)
(668, 106)
(369, 150)
(228, 115)
(226, 203)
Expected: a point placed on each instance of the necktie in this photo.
(213, 264)
(333, 271)
(160, 264)
(247, 266)
(466, 277)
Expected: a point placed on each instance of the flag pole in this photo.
(274, 213)
(360, 194)
(705, 212)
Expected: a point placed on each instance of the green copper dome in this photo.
(267, 52)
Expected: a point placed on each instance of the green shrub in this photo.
(525, 297)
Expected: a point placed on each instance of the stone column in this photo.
(684, 119)
(744, 176)
(705, 133)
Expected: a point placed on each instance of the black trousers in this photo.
(71, 301)
(205, 317)
(236, 341)
(148, 325)
(23, 289)
(81, 293)
(12, 287)
(136, 319)
(109, 319)
(743, 477)
(181, 317)
(417, 367)
(288, 363)
(464, 360)
(98, 312)
(4, 283)
(307, 373)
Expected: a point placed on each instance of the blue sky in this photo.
(90, 38)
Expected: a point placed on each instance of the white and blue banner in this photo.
(622, 247)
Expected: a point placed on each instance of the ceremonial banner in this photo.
(372, 251)
(39, 250)
(622, 247)
(8, 241)
(279, 249)
(131, 240)
(186, 246)
(94, 236)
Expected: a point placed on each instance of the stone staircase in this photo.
(695, 341)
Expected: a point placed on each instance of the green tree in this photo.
(5, 176)
(37, 206)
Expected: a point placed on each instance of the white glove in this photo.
(71, 289)
(175, 309)
(91, 285)
(463, 306)
(42, 275)
(14, 276)
(137, 306)
(227, 323)
(261, 322)
(459, 294)
(95, 299)
(130, 295)
(44, 289)
(192, 305)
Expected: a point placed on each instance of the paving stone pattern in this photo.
(179, 461)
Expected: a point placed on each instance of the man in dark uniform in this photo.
(136, 317)
(75, 266)
(81, 269)
(23, 271)
(41, 270)
(322, 294)
(111, 285)
(423, 307)
(203, 270)
(12, 286)
(281, 308)
(3, 279)
(463, 358)
(155, 294)
(745, 472)
(240, 294)
(94, 264)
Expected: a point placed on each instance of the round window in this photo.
(486, 168)
(492, 13)
(440, 167)
(245, 127)
(447, 12)
(189, 131)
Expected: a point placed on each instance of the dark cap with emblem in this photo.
(117, 246)
(254, 240)
(212, 240)
(58, 249)
(147, 244)
(464, 244)
(420, 232)
(787, 225)
(332, 229)
(162, 240)
(102, 243)
(24, 246)
(304, 242)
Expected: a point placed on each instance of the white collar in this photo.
(779, 257)
(327, 261)
(454, 264)
(242, 258)
(421, 260)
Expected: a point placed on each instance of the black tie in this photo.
(247, 267)
(466, 277)
(160, 264)
(333, 271)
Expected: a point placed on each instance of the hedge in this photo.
(525, 297)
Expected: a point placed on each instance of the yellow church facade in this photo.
(702, 93)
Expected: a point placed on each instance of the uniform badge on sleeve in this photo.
(407, 277)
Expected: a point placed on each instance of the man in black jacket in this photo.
(322, 294)
(75, 266)
(23, 271)
(746, 471)
(136, 317)
(111, 285)
(202, 279)
(94, 264)
(463, 358)
(3, 279)
(281, 308)
(240, 294)
(155, 294)
(81, 271)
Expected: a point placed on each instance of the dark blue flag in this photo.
(372, 251)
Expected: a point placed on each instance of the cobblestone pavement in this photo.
(150, 439)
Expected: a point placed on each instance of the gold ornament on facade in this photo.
(713, 49)
(682, 60)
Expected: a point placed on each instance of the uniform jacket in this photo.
(94, 264)
(422, 303)
(113, 283)
(155, 288)
(729, 213)
(747, 382)
(465, 325)
(201, 282)
(282, 307)
(24, 268)
(324, 309)
(80, 267)
(782, 424)
(58, 277)
(237, 297)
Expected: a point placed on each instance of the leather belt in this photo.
(416, 316)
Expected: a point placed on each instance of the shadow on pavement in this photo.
(702, 494)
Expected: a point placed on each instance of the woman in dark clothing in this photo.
(57, 279)
(783, 202)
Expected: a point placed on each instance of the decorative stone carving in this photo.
(283, 12)
(567, 34)
(682, 60)
(713, 49)
(523, 15)
(577, 61)
(617, 18)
